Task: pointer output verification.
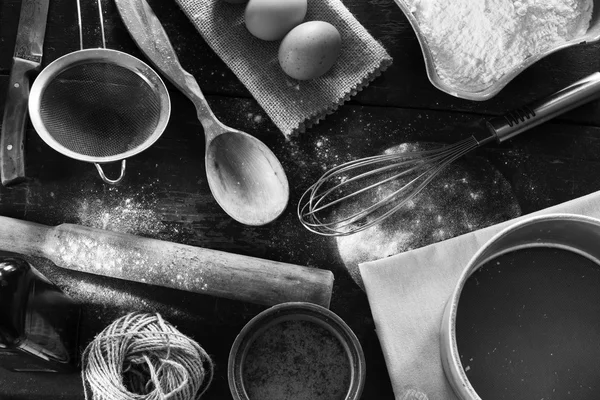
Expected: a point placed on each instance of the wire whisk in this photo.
(359, 194)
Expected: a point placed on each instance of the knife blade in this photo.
(27, 59)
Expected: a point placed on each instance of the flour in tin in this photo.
(476, 42)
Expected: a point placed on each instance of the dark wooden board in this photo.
(551, 164)
(167, 186)
(405, 84)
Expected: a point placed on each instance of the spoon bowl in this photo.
(245, 177)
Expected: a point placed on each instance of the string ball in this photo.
(143, 357)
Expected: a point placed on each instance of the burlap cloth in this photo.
(292, 105)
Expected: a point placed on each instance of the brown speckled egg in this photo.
(310, 50)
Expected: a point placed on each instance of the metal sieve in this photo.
(99, 105)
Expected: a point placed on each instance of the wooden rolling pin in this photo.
(169, 264)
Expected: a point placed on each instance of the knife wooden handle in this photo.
(168, 264)
(12, 138)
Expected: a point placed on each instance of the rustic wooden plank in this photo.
(165, 195)
(403, 85)
(354, 131)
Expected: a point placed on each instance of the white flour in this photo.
(476, 42)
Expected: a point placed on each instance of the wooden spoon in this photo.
(244, 176)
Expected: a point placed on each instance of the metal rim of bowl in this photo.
(300, 311)
(102, 55)
(450, 355)
(495, 87)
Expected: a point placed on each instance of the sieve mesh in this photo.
(100, 109)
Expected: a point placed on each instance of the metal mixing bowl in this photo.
(592, 35)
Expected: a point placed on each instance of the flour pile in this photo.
(475, 42)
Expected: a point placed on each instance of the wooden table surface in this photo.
(165, 194)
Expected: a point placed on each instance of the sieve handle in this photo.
(111, 181)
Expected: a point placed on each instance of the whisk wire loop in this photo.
(317, 199)
(319, 206)
(357, 217)
(406, 159)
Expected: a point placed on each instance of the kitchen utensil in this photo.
(168, 264)
(574, 233)
(39, 324)
(322, 334)
(99, 105)
(592, 35)
(244, 176)
(398, 178)
(27, 59)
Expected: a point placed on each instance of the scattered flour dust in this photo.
(467, 195)
(412, 394)
(127, 215)
(475, 42)
(126, 211)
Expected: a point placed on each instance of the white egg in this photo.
(273, 19)
(310, 50)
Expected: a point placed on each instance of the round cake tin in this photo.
(296, 311)
(575, 233)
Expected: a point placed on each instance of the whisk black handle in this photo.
(522, 119)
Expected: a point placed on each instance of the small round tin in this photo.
(296, 351)
(530, 326)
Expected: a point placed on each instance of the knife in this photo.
(27, 59)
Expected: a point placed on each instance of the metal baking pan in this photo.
(545, 340)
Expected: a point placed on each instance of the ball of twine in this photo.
(143, 357)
